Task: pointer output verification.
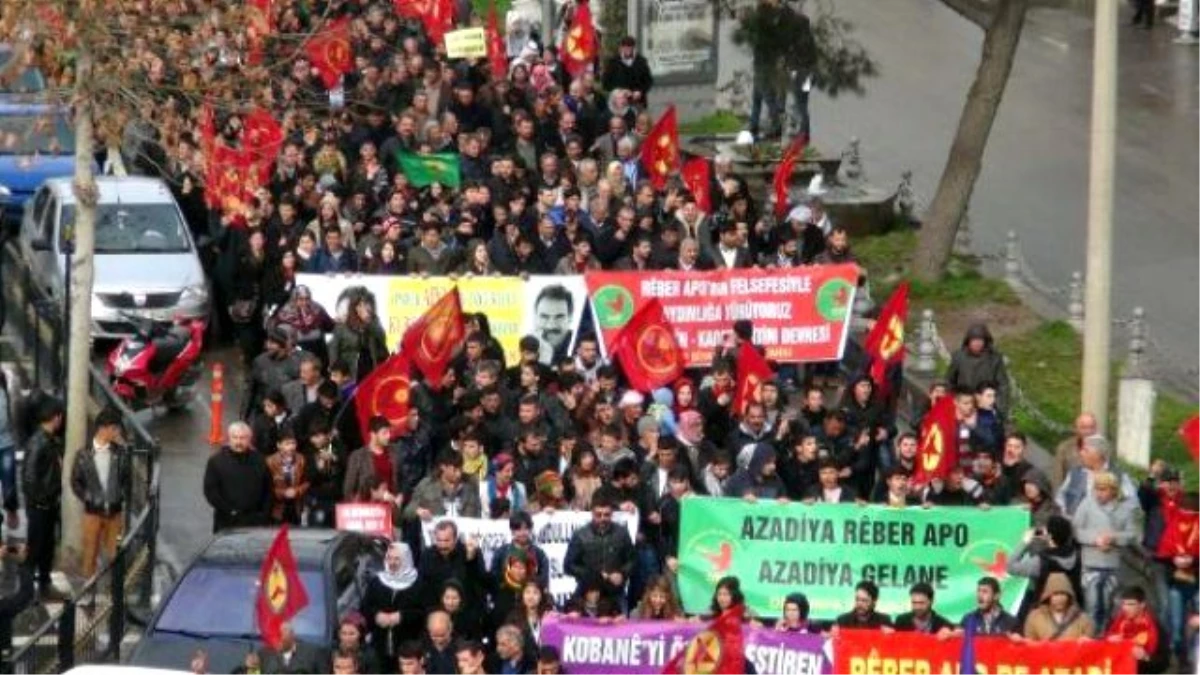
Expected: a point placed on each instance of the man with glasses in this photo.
(600, 551)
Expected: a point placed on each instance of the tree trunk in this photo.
(79, 342)
(949, 204)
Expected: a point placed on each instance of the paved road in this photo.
(1036, 168)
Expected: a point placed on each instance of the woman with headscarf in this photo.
(308, 320)
(548, 492)
(392, 603)
(510, 584)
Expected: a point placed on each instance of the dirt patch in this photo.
(1002, 320)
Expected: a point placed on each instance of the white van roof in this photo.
(114, 189)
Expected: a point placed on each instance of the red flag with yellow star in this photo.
(386, 392)
(697, 175)
(430, 341)
(719, 648)
(281, 593)
(262, 136)
(649, 353)
(1190, 433)
(752, 371)
(660, 151)
(331, 53)
(885, 343)
(580, 43)
(938, 452)
(1181, 532)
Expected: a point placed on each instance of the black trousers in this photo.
(41, 532)
(1144, 12)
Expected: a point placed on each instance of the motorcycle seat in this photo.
(165, 350)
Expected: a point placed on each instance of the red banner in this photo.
(857, 651)
(365, 517)
(800, 314)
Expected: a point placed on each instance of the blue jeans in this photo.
(764, 90)
(8, 474)
(1099, 592)
(1180, 600)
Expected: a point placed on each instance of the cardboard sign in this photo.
(468, 43)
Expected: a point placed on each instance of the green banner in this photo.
(823, 550)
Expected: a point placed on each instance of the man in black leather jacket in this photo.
(41, 483)
(101, 480)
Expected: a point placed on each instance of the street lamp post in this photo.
(1098, 296)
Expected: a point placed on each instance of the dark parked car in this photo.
(212, 605)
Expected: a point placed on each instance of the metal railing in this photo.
(95, 619)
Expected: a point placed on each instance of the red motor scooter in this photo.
(159, 364)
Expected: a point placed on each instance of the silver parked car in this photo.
(146, 261)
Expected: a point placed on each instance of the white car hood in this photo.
(141, 272)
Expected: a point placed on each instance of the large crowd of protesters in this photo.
(552, 183)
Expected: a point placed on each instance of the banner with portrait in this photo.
(553, 309)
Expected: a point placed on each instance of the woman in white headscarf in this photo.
(392, 603)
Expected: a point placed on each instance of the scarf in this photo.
(406, 576)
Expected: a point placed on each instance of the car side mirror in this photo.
(40, 245)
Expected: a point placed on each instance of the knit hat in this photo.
(502, 460)
(646, 423)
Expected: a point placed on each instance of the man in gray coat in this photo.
(1104, 524)
(977, 362)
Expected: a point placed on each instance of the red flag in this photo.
(430, 341)
(938, 452)
(262, 136)
(580, 43)
(230, 178)
(385, 391)
(885, 343)
(1190, 433)
(697, 175)
(331, 53)
(648, 350)
(497, 54)
(660, 151)
(752, 371)
(1181, 532)
(783, 173)
(437, 16)
(719, 648)
(281, 593)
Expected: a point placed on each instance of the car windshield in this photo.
(28, 80)
(133, 228)
(32, 134)
(220, 601)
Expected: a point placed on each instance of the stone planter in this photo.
(861, 208)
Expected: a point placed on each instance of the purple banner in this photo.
(645, 647)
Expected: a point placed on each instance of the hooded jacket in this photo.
(1037, 560)
(1041, 624)
(1041, 512)
(751, 480)
(968, 371)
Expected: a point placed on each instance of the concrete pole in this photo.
(1098, 296)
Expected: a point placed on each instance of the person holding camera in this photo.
(1044, 551)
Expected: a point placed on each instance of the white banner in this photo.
(551, 532)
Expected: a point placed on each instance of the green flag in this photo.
(422, 170)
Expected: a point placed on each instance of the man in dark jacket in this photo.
(977, 362)
(100, 479)
(866, 594)
(600, 551)
(922, 618)
(451, 559)
(237, 483)
(989, 617)
(41, 483)
(759, 479)
(628, 69)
